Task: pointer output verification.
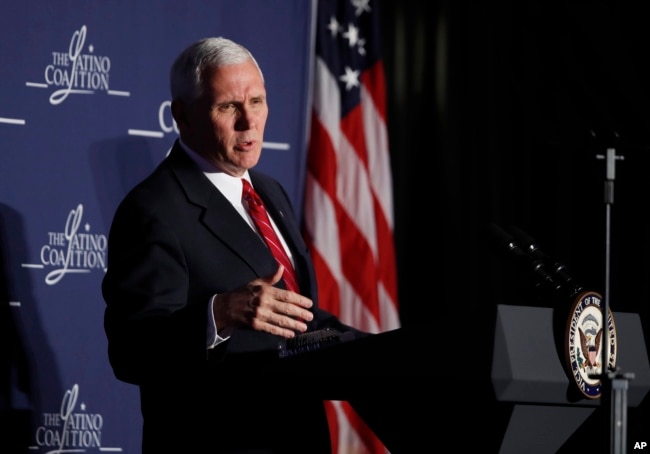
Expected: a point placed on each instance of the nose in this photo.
(245, 119)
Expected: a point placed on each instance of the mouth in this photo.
(244, 145)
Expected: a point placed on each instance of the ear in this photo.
(179, 112)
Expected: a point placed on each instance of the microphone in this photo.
(558, 270)
(505, 243)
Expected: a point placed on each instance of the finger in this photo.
(283, 332)
(294, 311)
(288, 322)
(286, 315)
(279, 325)
(287, 296)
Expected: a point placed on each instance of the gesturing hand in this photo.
(264, 307)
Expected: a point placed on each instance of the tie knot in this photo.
(249, 194)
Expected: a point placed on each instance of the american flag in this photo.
(348, 212)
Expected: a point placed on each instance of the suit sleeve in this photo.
(151, 329)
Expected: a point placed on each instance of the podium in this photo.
(419, 390)
(528, 372)
(387, 378)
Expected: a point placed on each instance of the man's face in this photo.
(226, 125)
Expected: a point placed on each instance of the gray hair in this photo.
(186, 76)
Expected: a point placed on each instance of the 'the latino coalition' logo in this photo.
(72, 250)
(77, 71)
(71, 429)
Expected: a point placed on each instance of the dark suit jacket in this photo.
(174, 242)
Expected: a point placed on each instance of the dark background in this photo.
(497, 112)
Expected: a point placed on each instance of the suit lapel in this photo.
(219, 216)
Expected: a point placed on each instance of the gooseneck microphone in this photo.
(557, 269)
(550, 275)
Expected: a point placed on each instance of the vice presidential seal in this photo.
(586, 337)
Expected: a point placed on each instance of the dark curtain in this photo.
(498, 113)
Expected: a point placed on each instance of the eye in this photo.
(228, 107)
(259, 101)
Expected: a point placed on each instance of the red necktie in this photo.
(261, 219)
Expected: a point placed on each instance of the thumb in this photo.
(274, 278)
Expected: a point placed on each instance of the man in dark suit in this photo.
(195, 301)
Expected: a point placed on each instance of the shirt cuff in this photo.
(213, 338)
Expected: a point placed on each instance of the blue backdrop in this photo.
(84, 115)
